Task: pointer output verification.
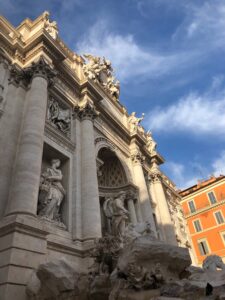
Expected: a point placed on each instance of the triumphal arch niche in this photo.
(74, 164)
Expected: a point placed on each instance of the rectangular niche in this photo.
(50, 153)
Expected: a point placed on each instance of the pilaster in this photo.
(146, 209)
(91, 216)
(162, 206)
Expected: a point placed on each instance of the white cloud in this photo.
(195, 113)
(178, 173)
(204, 24)
(129, 59)
(219, 165)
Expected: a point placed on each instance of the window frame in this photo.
(214, 197)
(218, 211)
(192, 200)
(198, 220)
(222, 235)
(203, 240)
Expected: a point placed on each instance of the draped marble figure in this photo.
(51, 192)
(115, 210)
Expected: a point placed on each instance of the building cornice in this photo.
(203, 190)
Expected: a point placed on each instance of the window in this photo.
(222, 234)
(219, 217)
(203, 247)
(197, 225)
(212, 197)
(191, 206)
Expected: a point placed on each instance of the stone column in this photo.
(10, 124)
(139, 178)
(131, 209)
(91, 215)
(3, 77)
(25, 185)
(160, 199)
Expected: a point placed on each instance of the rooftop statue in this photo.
(134, 123)
(51, 27)
(151, 144)
(100, 70)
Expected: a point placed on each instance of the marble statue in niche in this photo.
(58, 117)
(114, 210)
(51, 192)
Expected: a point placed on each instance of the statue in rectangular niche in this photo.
(51, 193)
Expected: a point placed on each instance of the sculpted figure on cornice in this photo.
(114, 210)
(58, 117)
(134, 123)
(100, 69)
(51, 192)
(51, 27)
(150, 144)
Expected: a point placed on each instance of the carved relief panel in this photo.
(59, 116)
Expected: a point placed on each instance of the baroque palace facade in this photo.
(68, 151)
(204, 210)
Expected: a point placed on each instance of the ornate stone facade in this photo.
(75, 166)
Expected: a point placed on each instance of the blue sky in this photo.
(169, 58)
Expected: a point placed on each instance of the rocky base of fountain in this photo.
(141, 269)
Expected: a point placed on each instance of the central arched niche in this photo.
(111, 180)
(111, 173)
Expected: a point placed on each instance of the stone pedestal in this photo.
(145, 205)
(91, 216)
(25, 185)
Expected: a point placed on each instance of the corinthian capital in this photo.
(155, 174)
(137, 157)
(86, 111)
(17, 76)
(41, 69)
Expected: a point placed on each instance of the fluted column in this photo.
(146, 209)
(131, 209)
(160, 199)
(91, 215)
(24, 190)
